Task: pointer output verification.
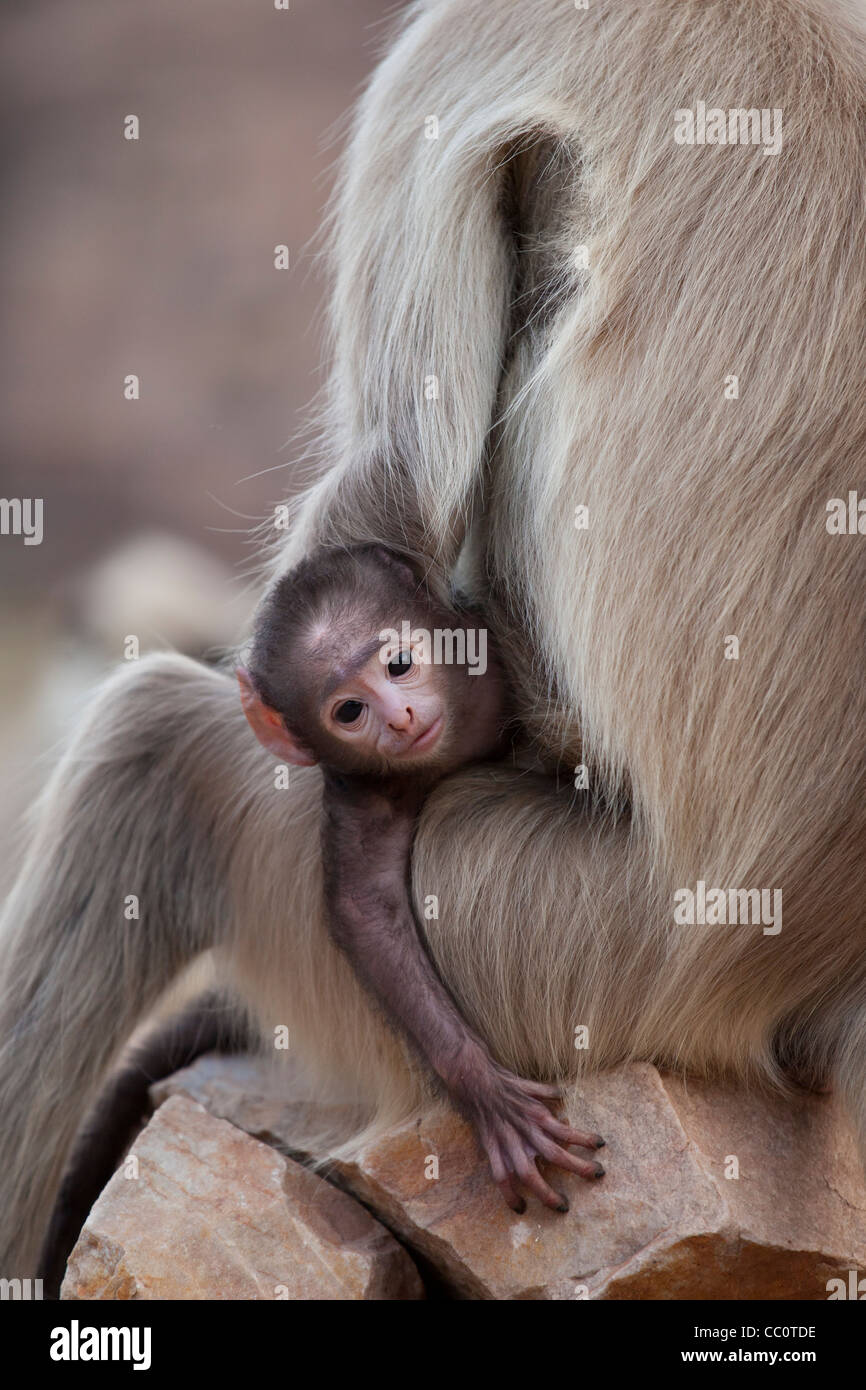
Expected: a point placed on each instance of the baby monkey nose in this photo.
(402, 719)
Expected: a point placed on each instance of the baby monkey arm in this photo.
(368, 834)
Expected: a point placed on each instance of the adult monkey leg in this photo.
(125, 881)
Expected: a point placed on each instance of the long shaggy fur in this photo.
(557, 386)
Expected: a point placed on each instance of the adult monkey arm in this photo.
(413, 391)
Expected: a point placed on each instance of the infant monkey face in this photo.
(393, 705)
(332, 683)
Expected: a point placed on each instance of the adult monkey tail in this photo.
(207, 1024)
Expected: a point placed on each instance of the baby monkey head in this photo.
(355, 665)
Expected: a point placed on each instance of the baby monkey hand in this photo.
(515, 1127)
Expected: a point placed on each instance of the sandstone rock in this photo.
(214, 1214)
(665, 1222)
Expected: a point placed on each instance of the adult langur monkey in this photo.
(597, 379)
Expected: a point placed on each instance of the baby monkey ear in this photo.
(268, 725)
(401, 568)
(426, 580)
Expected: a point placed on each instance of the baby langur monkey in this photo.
(328, 683)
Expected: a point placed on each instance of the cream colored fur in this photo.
(557, 386)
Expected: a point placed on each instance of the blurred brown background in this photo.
(155, 257)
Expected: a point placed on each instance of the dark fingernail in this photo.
(563, 1206)
(519, 1207)
(599, 1142)
(599, 1171)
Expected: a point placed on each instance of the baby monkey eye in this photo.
(400, 665)
(348, 711)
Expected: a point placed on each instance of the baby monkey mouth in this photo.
(427, 738)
